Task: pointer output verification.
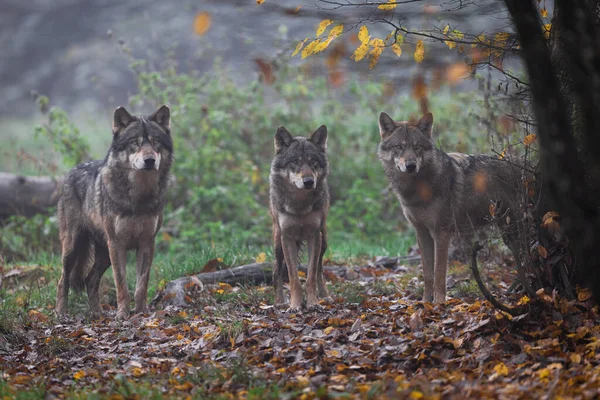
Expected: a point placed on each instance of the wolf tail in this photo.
(77, 260)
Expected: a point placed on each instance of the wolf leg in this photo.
(75, 255)
(290, 254)
(92, 281)
(426, 246)
(118, 259)
(144, 257)
(442, 239)
(314, 254)
(278, 268)
(68, 260)
(322, 287)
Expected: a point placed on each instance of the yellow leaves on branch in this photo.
(322, 26)
(362, 50)
(378, 46)
(419, 54)
(319, 44)
(201, 23)
(397, 49)
(391, 4)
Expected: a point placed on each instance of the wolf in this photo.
(109, 206)
(442, 194)
(299, 203)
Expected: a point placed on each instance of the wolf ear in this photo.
(426, 124)
(319, 137)
(283, 139)
(121, 120)
(162, 116)
(386, 125)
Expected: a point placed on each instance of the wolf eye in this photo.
(398, 147)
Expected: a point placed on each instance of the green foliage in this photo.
(223, 135)
(62, 133)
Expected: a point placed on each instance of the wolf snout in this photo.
(149, 162)
(308, 181)
(411, 166)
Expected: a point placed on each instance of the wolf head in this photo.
(302, 161)
(405, 146)
(142, 143)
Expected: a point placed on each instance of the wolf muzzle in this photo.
(309, 182)
(149, 162)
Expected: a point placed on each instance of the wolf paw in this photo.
(122, 315)
(315, 308)
(142, 310)
(293, 309)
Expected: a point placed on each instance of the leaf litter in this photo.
(379, 344)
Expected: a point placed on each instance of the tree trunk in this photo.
(564, 173)
(26, 195)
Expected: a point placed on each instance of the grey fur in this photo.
(299, 214)
(113, 205)
(446, 193)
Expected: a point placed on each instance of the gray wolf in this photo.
(109, 206)
(446, 193)
(299, 203)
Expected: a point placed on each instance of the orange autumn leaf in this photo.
(202, 23)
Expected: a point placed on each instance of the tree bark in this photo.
(27, 195)
(564, 174)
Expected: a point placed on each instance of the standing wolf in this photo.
(445, 193)
(108, 207)
(299, 202)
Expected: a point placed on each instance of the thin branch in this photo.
(514, 311)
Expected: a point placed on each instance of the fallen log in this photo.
(27, 195)
(252, 274)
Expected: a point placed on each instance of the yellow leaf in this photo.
(458, 35)
(262, 257)
(419, 54)
(502, 155)
(575, 358)
(397, 49)
(201, 23)
(323, 25)
(547, 29)
(492, 209)
(182, 314)
(259, 2)
(328, 330)
(479, 40)
(137, 372)
(399, 39)
(524, 300)
(501, 369)
(363, 34)
(336, 31)
(299, 46)
(544, 13)
(446, 29)
(529, 139)
(375, 53)
(361, 51)
(390, 6)
(501, 38)
(416, 395)
(451, 44)
(78, 375)
(310, 48)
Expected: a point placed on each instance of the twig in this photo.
(514, 311)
